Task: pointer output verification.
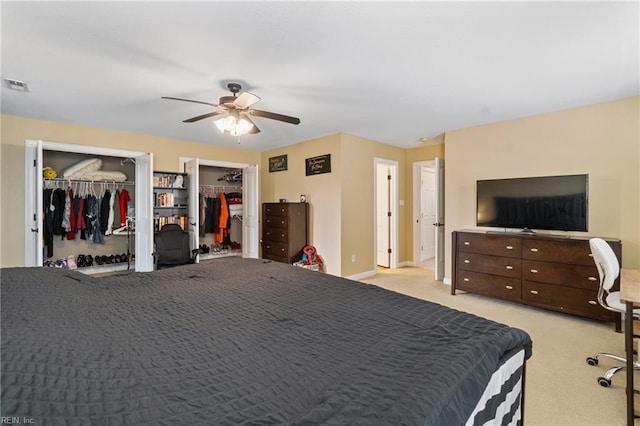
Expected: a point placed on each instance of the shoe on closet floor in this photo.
(71, 262)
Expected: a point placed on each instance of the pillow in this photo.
(105, 175)
(77, 171)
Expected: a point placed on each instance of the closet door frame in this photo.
(33, 198)
(250, 200)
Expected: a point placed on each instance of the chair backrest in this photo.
(172, 246)
(606, 262)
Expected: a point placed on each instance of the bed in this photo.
(247, 341)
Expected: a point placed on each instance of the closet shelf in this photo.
(63, 180)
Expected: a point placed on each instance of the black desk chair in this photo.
(609, 269)
(172, 247)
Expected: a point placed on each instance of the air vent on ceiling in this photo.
(14, 84)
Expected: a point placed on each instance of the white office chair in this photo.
(608, 269)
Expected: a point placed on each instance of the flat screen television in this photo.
(543, 202)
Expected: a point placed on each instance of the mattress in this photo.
(243, 341)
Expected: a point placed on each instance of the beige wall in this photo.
(602, 140)
(15, 130)
(323, 192)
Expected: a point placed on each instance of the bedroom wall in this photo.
(16, 129)
(323, 192)
(341, 202)
(358, 178)
(602, 140)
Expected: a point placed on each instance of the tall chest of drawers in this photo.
(284, 231)
(545, 271)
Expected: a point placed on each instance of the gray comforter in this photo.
(237, 341)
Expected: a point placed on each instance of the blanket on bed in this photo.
(237, 341)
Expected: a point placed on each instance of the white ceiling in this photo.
(387, 71)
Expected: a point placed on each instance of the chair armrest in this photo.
(194, 254)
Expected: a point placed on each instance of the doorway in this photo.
(385, 217)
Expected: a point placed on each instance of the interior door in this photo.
(192, 169)
(383, 209)
(144, 209)
(33, 230)
(427, 213)
(250, 211)
(439, 224)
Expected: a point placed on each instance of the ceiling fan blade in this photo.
(245, 100)
(189, 100)
(274, 116)
(202, 117)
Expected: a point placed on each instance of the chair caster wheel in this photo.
(604, 382)
(592, 361)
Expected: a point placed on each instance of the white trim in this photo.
(446, 280)
(362, 275)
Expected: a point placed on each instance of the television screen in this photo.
(545, 202)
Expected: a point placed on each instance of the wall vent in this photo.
(14, 84)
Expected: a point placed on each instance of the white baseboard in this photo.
(447, 280)
(362, 275)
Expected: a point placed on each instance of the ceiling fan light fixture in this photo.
(243, 126)
(234, 126)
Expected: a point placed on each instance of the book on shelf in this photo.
(160, 221)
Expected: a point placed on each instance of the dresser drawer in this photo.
(490, 285)
(578, 276)
(276, 221)
(274, 248)
(276, 234)
(489, 244)
(496, 265)
(275, 209)
(565, 299)
(575, 252)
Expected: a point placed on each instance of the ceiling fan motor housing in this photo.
(227, 101)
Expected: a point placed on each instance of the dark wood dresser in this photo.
(546, 271)
(285, 230)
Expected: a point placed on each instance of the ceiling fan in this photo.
(234, 114)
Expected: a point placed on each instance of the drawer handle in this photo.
(509, 287)
(282, 235)
(534, 271)
(593, 279)
(590, 254)
(509, 247)
(282, 210)
(268, 246)
(593, 302)
(466, 280)
(467, 261)
(509, 267)
(467, 243)
(534, 291)
(534, 250)
(282, 222)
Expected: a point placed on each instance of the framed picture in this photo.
(318, 165)
(278, 163)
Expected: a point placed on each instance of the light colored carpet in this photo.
(561, 388)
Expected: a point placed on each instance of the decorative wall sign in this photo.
(318, 165)
(278, 164)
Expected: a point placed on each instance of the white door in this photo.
(250, 241)
(33, 232)
(192, 169)
(383, 209)
(144, 207)
(427, 213)
(439, 223)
